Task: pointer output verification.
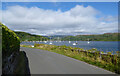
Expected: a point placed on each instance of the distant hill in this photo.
(56, 37)
(30, 37)
(100, 37)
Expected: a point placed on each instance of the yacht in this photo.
(50, 41)
(74, 43)
(69, 40)
(88, 41)
(45, 41)
(59, 39)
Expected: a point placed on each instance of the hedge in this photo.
(10, 41)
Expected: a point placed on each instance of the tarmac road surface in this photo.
(46, 62)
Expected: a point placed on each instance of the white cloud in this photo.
(109, 18)
(77, 20)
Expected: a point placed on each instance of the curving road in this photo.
(45, 62)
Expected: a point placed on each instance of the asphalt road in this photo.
(45, 62)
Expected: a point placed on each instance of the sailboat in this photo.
(69, 40)
(45, 41)
(59, 39)
(88, 41)
(50, 41)
(75, 42)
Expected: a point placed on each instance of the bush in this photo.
(0, 46)
(10, 41)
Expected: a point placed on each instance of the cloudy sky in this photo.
(61, 18)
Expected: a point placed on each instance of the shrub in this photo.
(10, 41)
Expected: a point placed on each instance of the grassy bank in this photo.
(92, 56)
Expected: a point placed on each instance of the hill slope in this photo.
(30, 37)
(101, 37)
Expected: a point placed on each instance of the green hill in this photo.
(100, 37)
(30, 37)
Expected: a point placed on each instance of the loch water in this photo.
(105, 46)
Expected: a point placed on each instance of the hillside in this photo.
(101, 37)
(30, 37)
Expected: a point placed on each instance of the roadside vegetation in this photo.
(107, 61)
(0, 47)
(10, 41)
(13, 61)
(0, 40)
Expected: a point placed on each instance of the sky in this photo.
(61, 18)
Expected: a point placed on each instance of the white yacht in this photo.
(69, 40)
(74, 43)
(45, 41)
(50, 41)
(59, 39)
(88, 41)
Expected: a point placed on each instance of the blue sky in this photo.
(107, 8)
(48, 18)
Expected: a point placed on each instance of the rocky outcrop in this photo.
(14, 61)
